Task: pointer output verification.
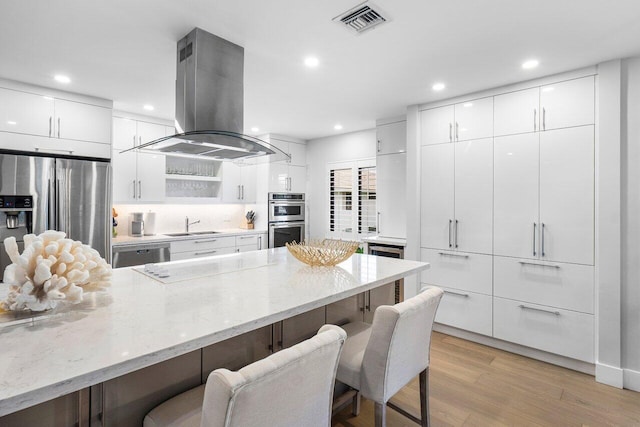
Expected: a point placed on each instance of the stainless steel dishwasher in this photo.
(139, 254)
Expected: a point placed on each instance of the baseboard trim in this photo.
(554, 359)
(609, 375)
(631, 379)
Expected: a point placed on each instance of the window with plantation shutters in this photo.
(352, 199)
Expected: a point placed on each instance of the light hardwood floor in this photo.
(475, 385)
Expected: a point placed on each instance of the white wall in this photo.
(630, 209)
(349, 146)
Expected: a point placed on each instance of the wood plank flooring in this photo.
(475, 385)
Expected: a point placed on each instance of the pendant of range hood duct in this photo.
(209, 104)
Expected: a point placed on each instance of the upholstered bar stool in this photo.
(381, 358)
(293, 387)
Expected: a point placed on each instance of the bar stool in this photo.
(381, 358)
(293, 387)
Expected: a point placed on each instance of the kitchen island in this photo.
(142, 320)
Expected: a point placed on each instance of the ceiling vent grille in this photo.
(361, 18)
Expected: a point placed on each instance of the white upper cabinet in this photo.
(473, 119)
(125, 179)
(147, 132)
(436, 125)
(473, 224)
(567, 195)
(151, 170)
(26, 113)
(437, 198)
(515, 207)
(392, 138)
(391, 195)
(124, 133)
(238, 183)
(517, 112)
(83, 122)
(297, 179)
(460, 122)
(567, 104)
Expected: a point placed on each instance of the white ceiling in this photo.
(124, 50)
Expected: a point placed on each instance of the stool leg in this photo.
(424, 398)
(355, 406)
(381, 414)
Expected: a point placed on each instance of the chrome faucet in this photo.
(187, 223)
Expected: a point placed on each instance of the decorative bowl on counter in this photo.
(323, 253)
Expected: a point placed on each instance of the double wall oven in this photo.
(286, 218)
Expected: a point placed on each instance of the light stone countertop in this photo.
(125, 240)
(139, 321)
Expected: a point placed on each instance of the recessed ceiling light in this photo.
(11, 122)
(532, 63)
(468, 104)
(148, 107)
(338, 127)
(438, 86)
(311, 61)
(62, 79)
(547, 89)
(255, 129)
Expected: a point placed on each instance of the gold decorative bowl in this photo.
(323, 253)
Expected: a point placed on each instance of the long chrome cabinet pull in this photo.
(450, 221)
(457, 136)
(453, 255)
(526, 307)
(205, 241)
(378, 223)
(378, 146)
(139, 189)
(450, 132)
(522, 261)
(205, 253)
(50, 123)
(238, 192)
(535, 116)
(134, 140)
(242, 192)
(544, 119)
(456, 235)
(542, 239)
(135, 194)
(534, 239)
(460, 294)
(58, 127)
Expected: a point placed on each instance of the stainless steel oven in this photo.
(286, 218)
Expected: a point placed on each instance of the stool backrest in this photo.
(398, 349)
(293, 387)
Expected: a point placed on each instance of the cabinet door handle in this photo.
(378, 224)
(526, 307)
(242, 187)
(450, 221)
(238, 192)
(58, 127)
(542, 239)
(134, 140)
(259, 242)
(139, 189)
(50, 125)
(456, 234)
(453, 255)
(535, 116)
(378, 146)
(534, 239)
(522, 261)
(135, 194)
(544, 119)
(205, 253)
(367, 298)
(139, 140)
(457, 136)
(450, 132)
(459, 294)
(205, 241)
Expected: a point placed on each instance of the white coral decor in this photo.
(51, 269)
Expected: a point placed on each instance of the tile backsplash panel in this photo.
(170, 218)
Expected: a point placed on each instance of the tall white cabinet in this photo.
(507, 218)
(391, 166)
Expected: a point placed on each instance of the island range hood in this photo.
(210, 104)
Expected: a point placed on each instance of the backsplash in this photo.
(170, 218)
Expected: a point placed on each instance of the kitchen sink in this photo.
(191, 233)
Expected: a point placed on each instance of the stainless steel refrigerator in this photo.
(69, 195)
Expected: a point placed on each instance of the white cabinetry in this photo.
(251, 242)
(202, 247)
(238, 183)
(554, 106)
(391, 137)
(456, 196)
(544, 195)
(137, 176)
(36, 122)
(391, 195)
(288, 175)
(460, 122)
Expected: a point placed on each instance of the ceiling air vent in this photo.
(361, 18)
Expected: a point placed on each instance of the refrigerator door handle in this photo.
(51, 213)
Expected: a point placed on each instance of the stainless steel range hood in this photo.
(210, 104)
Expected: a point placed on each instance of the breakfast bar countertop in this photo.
(141, 320)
